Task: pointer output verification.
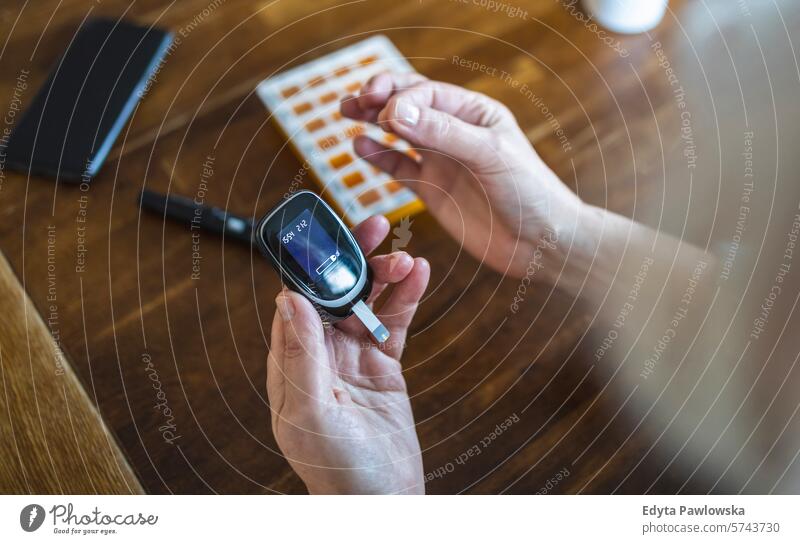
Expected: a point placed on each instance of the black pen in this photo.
(193, 215)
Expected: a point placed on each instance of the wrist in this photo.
(576, 231)
(402, 477)
(347, 487)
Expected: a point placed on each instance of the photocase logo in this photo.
(402, 233)
(31, 517)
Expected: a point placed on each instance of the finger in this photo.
(275, 378)
(391, 268)
(386, 269)
(411, 115)
(393, 162)
(349, 108)
(371, 232)
(303, 356)
(375, 92)
(399, 309)
(468, 106)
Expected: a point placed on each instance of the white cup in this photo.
(627, 16)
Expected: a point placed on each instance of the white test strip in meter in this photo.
(376, 329)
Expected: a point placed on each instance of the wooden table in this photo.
(176, 365)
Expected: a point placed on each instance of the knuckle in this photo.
(502, 109)
(371, 81)
(294, 348)
(494, 112)
(441, 127)
(416, 84)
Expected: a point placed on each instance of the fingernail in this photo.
(407, 113)
(285, 307)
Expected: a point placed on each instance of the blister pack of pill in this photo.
(304, 103)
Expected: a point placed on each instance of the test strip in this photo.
(376, 329)
(304, 103)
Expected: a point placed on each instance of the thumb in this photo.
(429, 128)
(300, 349)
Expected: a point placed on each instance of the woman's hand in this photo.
(478, 175)
(340, 410)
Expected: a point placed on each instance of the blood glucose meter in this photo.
(316, 255)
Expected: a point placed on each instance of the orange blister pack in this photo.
(304, 103)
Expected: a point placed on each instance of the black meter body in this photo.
(316, 255)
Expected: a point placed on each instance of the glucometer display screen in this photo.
(331, 266)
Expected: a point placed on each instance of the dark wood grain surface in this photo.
(54, 440)
(134, 317)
